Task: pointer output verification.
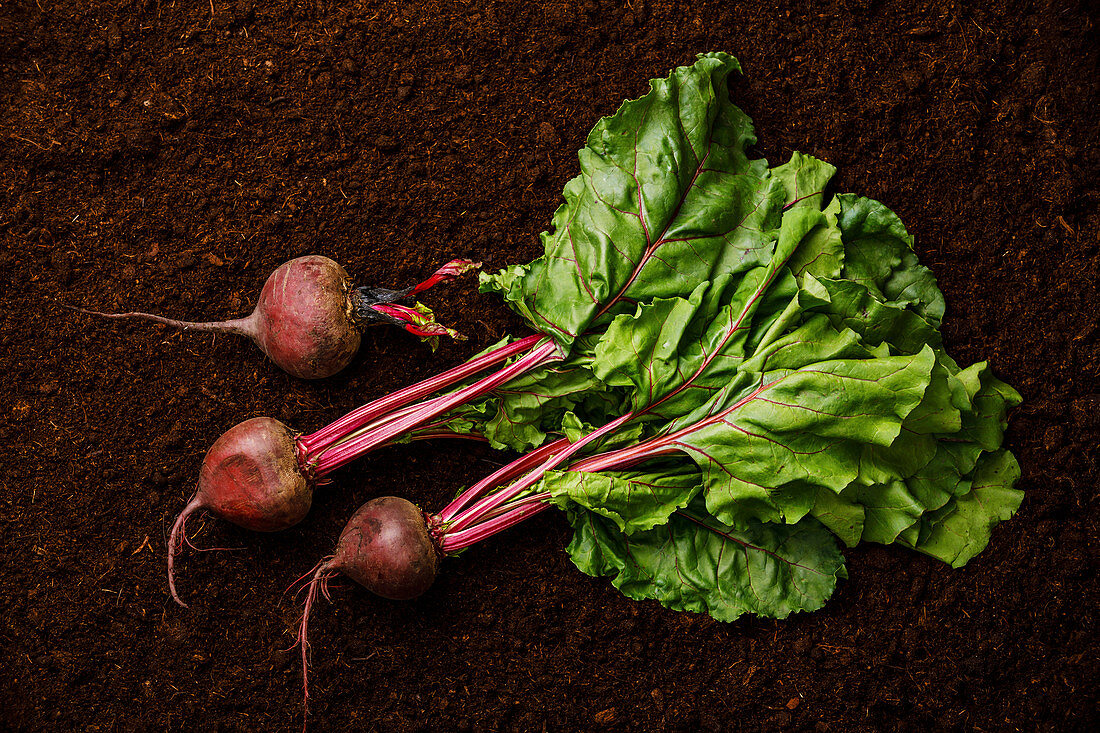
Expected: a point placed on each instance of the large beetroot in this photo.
(309, 315)
(249, 477)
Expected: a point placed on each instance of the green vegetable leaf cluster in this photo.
(778, 351)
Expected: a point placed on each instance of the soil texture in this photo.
(166, 155)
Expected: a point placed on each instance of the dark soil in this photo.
(167, 155)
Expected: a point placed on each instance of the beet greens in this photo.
(750, 371)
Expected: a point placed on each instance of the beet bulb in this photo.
(386, 548)
(249, 477)
(309, 316)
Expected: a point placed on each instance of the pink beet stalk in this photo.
(516, 512)
(449, 271)
(318, 441)
(344, 452)
(501, 476)
(492, 502)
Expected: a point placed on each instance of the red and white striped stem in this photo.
(339, 453)
(312, 445)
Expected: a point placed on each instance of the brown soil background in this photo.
(167, 155)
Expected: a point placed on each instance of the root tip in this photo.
(175, 542)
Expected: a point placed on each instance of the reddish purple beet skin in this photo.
(385, 547)
(250, 477)
(303, 319)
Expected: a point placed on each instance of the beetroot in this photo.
(305, 319)
(392, 548)
(385, 547)
(309, 316)
(250, 477)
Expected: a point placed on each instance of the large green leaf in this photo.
(666, 199)
(763, 448)
(786, 341)
(770, 407)
(696, 563)
(961, 529)
(632, 500)
(934, 459)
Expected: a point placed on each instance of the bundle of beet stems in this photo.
(734, 370)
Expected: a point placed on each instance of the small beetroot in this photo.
(309, 316)
(386, 548)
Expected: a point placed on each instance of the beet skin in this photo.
(386, 548)
(303, 318)
(250, 477)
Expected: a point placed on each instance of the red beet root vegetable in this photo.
(309, 316)
(386, 548)
(250, 477)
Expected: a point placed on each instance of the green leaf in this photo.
(961, 529)
(804, 178)
(888, 510)
(527, 408)
(790, 349)
(696, 563)
(879, 255)
(666, 199)
(990, 399)
(764, 447)
(821, 252)
(932, 461)
(842, 516)
(851, 305)
(632, 500)
(575, 427)
(814, 340)
(918, 440)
